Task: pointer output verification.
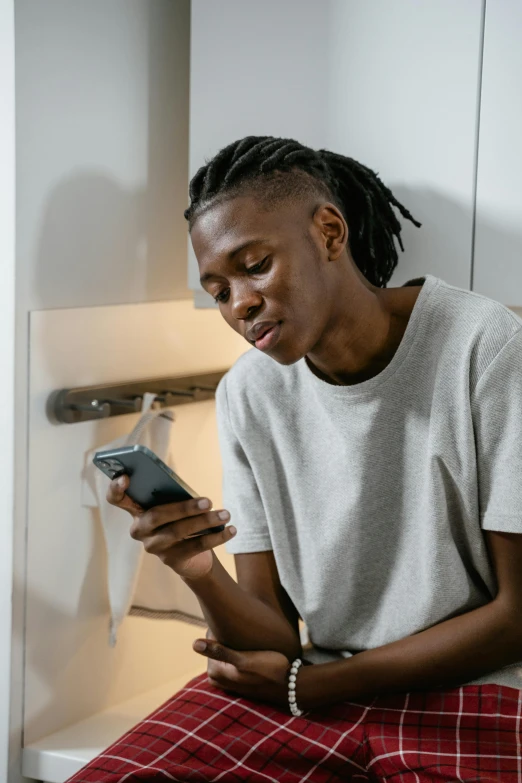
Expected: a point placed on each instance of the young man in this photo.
(372, 457)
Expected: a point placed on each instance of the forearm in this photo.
(446, 655)
(238, 619)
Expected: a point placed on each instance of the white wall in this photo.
(392, 84)
(101, 175)
(7, 344)
(498, 245)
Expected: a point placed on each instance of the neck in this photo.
(364, 331)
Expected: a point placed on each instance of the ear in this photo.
(333, 230)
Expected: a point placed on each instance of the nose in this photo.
(245, 302)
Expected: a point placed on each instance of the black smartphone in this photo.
(152, 483)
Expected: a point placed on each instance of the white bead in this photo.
(292, 679)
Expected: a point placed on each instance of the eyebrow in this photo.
(233, 253)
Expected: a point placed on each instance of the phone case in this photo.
(152, 483)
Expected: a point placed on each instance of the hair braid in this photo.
(284, 167)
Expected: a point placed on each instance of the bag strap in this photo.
(147, 416)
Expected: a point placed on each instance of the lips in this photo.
(258, 330)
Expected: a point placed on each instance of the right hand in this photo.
(163, 530)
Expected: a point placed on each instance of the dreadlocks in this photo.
(276, 168)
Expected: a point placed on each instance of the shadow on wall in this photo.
(93, 245)
(103, 242)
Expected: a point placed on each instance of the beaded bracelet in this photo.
(292, 701)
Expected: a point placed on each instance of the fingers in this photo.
(117, 490)
(161, 543)
(185, 510)
(185, 517)
(116, 495)
(225, 667)
(172, 532)
(218, 652)
(223, 675)
(194, 546)
(180, 526)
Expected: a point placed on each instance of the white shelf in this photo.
(55, 758)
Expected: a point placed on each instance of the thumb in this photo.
(218, 652)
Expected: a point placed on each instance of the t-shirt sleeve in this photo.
(496, 406)
(240, 491)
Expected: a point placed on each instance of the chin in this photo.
(287, 355)
(287, 351)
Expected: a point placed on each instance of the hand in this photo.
(164, 530)
(258, 675)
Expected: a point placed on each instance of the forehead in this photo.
(228, 225)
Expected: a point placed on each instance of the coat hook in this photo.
(201, 387)
(134, 403)
(97, 402)
(179, 392)
(103, 409)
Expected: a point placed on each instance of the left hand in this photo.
(258, 674)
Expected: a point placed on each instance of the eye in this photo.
(222, 296)
(253, 270)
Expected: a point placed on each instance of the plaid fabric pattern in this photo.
(202, 735)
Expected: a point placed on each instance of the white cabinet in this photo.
(256, 68)
(403, 87)
(498, 240)
(394, 85)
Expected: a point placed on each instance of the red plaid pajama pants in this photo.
(203, 735)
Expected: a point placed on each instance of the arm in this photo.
(446, 655)
(254, 613)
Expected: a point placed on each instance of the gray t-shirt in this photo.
(373, 497)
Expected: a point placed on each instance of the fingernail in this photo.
(200, 645)
(121, 482)
(232, 530)
(223, 515)
(203, 503)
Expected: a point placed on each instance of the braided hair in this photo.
(275, 168)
